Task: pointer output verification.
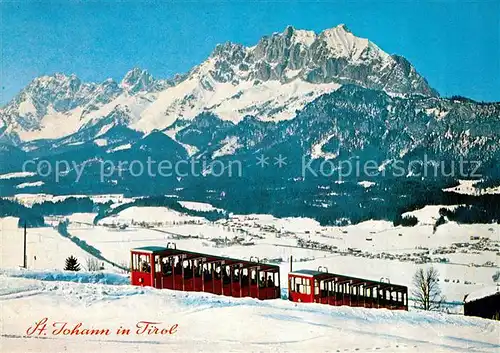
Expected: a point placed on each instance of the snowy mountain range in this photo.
(329, 97)
(270, 81)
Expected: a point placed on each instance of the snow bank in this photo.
(211, 323)
(70, 276)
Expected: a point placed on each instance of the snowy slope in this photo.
(47, 249)
(150, 214)
(209, 323)
(199, 206)
(269, 100)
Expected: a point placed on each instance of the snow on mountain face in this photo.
(58, 105)
(138, 80)
(334, 55)
(267, 101)
(271, 80)
(279, 75)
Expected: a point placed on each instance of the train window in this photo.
(135, 262)
(167, 265)
(298, 280)
(157, 264)
(141, 263)
(308, 289)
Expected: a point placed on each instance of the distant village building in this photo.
(483, 303)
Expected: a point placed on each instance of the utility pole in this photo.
(25, 257)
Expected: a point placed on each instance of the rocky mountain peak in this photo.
(137, 80)
(335, 55)
(270, 80)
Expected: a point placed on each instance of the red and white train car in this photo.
(309, 286)
(172, 268)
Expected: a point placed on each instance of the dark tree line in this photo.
(34, 216)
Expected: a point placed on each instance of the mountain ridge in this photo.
(270, 80)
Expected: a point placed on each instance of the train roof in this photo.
(150, 249)
(327, 275)
(160, 250)
(310, 273)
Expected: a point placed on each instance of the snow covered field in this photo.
(370, 250)
(211, 323)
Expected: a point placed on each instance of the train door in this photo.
(141, 274)
(164, 272)
(300, 289)
(322, 291)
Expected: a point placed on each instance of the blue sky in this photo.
(454, 44)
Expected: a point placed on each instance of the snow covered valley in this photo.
(104, 301)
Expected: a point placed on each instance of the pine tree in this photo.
(72, 264)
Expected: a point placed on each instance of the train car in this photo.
(172, 268)
(309, 286)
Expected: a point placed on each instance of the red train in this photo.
(172, 268)
(309, 286)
